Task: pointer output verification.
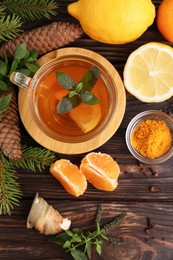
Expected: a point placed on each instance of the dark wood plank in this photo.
(142, 193)
(141, 241)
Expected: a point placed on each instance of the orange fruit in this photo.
(100, 170)
(70, 177)
(164, 19)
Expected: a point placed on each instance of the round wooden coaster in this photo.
(73, 148)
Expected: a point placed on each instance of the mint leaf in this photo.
(88, 98)
(88, 249)
(69, 233)
(77, 231)
(64, 106)
(60, 239)
(20, 51)
(79, 86)
(98, 248)
(90, 78)
(33, 56)
(3, 86)
(26, 55)
(33, 67)
(104, 237)
(65, 80)
(4, 103)
(78, 255)
(78, 92)
(14, 65)
(3, 68)
(67, 244)
(76, 238)
(72, 93)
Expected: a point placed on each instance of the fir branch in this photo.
(10, 193)
(35, 157)
(31, 9)
(2, 10)
(9, 27)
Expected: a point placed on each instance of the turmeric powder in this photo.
(151, 138)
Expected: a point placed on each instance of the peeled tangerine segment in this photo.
(101, 171)
(70, 177)
(104, 164)
(86, 116)
(45, 218)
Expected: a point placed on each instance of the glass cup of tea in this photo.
(89, 124)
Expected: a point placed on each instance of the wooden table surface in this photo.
(134, 195)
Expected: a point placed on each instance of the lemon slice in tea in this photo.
(86, 116)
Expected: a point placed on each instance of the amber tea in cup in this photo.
(81, 119)
(84, 122)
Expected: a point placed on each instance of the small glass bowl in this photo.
(150, 114)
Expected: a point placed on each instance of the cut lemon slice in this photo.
(148, 72)
(86, 117)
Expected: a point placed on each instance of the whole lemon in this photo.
(113, 21)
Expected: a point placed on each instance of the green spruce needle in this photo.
(79, 242)
(9, 27)
(10, 193)
(14, 12)
(80, 92)
(33, 158)
(31, 9)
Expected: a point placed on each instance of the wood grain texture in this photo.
(135, 193)
(141, 241)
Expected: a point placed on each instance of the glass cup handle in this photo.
(20, 79)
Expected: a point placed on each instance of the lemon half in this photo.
(148, 72)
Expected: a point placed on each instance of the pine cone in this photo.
(10, 142)
(45, 39)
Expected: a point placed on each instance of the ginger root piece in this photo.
(44, 218)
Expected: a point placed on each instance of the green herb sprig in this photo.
(80, 92)
(75, 239)
(24, 61)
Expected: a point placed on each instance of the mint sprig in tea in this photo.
(72, 100)
(78, 92)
